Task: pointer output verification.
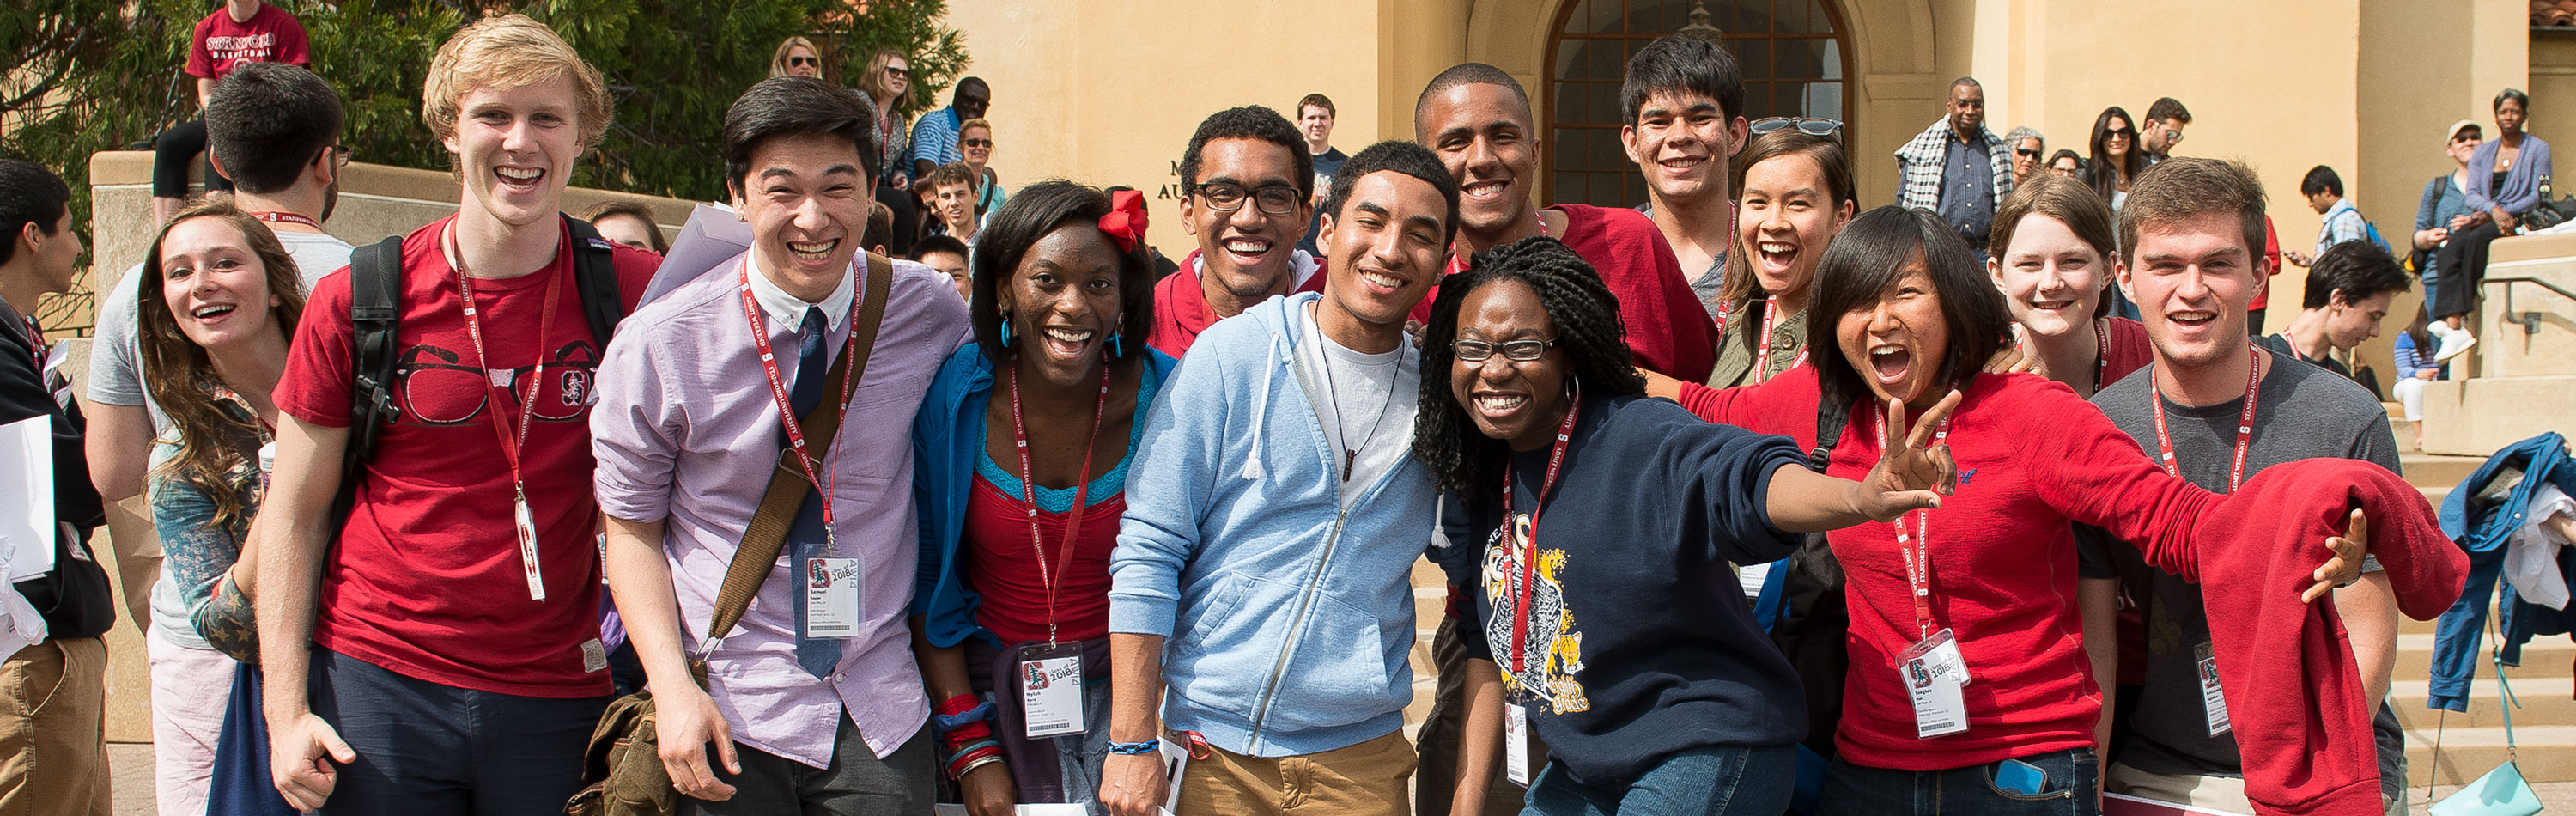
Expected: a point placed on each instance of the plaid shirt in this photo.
(1919, 162)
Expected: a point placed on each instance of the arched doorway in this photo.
(1792, 53)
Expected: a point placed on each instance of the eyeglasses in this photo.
(2024, 151)
(2119, 133)
(1519, 351)
(975, 142)
(340, 155)
(2465, 136)
(1811, 126)
(804, 62)
(898, 72)
(1275, 199)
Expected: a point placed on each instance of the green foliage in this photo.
(98, 75)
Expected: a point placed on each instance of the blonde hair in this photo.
(778, 58)
(972, 124)
(510, 51)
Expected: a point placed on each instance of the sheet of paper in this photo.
(27, 526)
(2117, 804)
(947, 809)
(713, 237)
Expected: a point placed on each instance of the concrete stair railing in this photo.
(2521, 379)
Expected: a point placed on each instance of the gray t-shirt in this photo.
(2304, 412)
(116, 378)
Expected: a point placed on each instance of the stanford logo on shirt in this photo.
(436, 386)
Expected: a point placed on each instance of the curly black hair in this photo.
(1595, 344)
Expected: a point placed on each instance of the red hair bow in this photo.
(1125, 222)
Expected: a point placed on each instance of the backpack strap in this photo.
(594, 276)
(375, 313)
(1830, 419)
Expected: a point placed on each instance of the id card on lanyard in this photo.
(1932, 669)
(522, 521)
(832, 607)
(1515, 715)
(1050, 673)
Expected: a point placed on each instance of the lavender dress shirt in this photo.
(686, 432)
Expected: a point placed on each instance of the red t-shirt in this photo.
(2271, 258)
(1004, 573)
(1669, 332)
(2032, 457)
(425, 580)
(270, 35)
(1181, 310)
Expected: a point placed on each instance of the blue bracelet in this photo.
(1135, 748)
(950, 722)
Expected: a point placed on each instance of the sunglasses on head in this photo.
(1812, 126)
(804, 62)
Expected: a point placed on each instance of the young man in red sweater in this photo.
(1478, 120)
(2194, 231)
(1246, 179)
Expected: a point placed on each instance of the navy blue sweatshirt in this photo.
(1639, 644)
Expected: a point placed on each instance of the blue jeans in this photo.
(2071, 777)
(1714, 781)
(425, 747)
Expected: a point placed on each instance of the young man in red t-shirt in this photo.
(1247, 184)
(459, 666)
(1478, 119)
(243, 31)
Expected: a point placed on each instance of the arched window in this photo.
(1790, 51)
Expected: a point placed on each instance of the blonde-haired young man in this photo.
(446, 656)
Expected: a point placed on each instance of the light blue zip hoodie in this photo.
(1289, 619)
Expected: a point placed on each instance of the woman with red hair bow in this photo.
(1021, 453)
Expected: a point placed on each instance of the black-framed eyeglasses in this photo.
(975, 142)
(804, 62)
(1810, 125)
(1519, 351)
(2122, 132)
(2466, 136)
(1275, 199)
(898, 72)
(2024, 151)
(340, 155)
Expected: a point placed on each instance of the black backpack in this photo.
(375, 309)
(1811, 629)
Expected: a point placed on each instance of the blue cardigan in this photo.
(947, 443)
(2521, 190)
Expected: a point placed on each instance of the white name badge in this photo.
(1051, 690)
(1934, 672)
(527, 527)
(831, 597)
(2212, 701)
(1516, 744)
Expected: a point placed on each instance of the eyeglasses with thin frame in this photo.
(1812, 126)
(340, 155)
(1518, 351)
(804, 62)
(1275, 199)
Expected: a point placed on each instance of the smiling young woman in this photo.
(1794, 193)
(1024, 441)
(2051, 259)
(1530, 404)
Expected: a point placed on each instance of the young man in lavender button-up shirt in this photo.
(687, 432)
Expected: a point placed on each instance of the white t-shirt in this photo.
(1365, 400)
(116, 378)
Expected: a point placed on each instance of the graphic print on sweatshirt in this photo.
(437, 386)
(1551, 651)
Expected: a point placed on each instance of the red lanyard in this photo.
(2102, 352)
(2244, 426)
(536, 378)
(819, 476)
(1458, 260)
(1762, 356)
(1529, 553)
(287, 218)
(1081, 491)
(1916, 545)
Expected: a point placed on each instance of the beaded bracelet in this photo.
(1135, 748)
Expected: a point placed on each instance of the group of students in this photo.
(553, 476)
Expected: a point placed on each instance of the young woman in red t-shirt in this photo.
(1022, 445)
(1985, 586)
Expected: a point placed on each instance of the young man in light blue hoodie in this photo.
(1263, 583)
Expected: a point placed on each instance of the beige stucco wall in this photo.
(1108, 93)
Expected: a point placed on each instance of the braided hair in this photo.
(1586, 314)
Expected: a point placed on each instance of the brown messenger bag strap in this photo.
(787, 484)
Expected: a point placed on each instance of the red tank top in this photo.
(1002, 569)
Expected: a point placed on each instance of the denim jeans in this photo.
(2071, 777)
(1714, 781)
(429, 748)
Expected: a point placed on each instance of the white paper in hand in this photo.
(713, 237)
(27, 526)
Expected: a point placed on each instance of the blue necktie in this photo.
(805, 537)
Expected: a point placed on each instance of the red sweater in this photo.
(1668, 329)
(1181, 308)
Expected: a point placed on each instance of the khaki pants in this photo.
(1367, 779)
(53, 730)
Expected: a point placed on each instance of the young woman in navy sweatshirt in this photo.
(1614, 638)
